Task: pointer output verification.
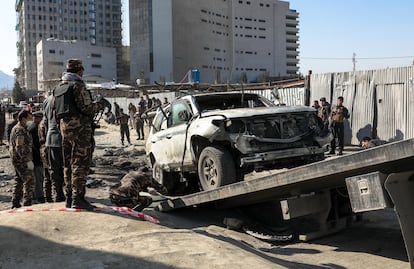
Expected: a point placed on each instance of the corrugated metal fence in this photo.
(381, 102)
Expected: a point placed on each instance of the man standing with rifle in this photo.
(75, 111)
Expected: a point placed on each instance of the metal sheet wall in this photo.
(286, 96)
(380, 101)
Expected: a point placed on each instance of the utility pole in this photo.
(354, 60)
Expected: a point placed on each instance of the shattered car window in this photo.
(160, 121)
(177, 109)
(230, 101)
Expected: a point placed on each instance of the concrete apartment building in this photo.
(97, 22)
(227, 40)
(99, 62)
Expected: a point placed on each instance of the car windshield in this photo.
(229, 101)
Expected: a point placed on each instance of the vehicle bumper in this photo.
(280, 154)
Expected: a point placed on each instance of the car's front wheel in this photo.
(216, 168)
(168, 179)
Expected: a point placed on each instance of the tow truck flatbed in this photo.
(330, 173)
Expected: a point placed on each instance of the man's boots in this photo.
(69, 202)
(80, 202)
(16, 204)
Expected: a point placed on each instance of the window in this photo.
(179, 111)
(96, 66)
(52, 51)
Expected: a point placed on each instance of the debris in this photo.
(93, 183)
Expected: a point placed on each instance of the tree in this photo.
(18, 94)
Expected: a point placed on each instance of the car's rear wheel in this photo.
(216, 168)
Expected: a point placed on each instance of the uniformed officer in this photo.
(33, 129)
(47, 186)
(52, 152)
(75, 110)
(22, 159)
(324, 111)
(126, 193)
(338, 115)
(123, 125)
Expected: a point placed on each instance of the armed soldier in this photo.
(338, 115)
(20, 148)
(123, 125)
(324, 111)
(126, 193)
(75, 111)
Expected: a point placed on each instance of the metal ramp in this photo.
(390, 158)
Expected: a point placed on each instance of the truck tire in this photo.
(216, 168)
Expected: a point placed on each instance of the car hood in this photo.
(257, 111)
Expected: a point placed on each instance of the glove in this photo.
(30, 165)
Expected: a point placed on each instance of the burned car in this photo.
(215, 139)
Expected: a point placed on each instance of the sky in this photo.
(379, 32)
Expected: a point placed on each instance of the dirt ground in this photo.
(190, 238)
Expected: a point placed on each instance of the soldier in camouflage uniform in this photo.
(126, 193)
(123, 125)
(324, 112)
(338, 115)
(21, 156)
(47, 187)
(75, 111)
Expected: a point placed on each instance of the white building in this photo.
(97, 22)
(225, 39)
(99, 62)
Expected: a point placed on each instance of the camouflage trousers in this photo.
(76, 146)
(24, 184)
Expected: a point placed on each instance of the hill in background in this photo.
(6, 81)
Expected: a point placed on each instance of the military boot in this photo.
(80, 202)
(16, 204)
(60, 196)
(68, 202)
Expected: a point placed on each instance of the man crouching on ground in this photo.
(126, 193)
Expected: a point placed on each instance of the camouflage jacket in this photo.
(83, 99)
(134, 182)
(339, 114)
(21, 144)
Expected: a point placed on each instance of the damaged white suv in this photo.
(217, 138)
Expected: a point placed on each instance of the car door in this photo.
(157, 140)
(176, 133)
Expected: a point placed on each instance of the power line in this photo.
(356, 58)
